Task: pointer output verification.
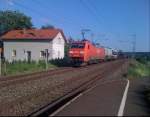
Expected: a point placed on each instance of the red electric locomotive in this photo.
(85, 52)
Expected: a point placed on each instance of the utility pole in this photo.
(134, 45)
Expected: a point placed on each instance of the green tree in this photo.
(66, 49)
(48, 26)
(10, 20)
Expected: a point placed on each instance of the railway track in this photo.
(6, 78)
(57, 90)
(11, 80)
(52, 107)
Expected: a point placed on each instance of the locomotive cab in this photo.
(77, 51)
(82, 52)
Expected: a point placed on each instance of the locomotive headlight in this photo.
(70, 52)
(81, 52)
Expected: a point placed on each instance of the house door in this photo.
(29, 56)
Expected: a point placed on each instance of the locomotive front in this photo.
(76, 52)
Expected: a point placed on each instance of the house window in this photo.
(14, 53)
(42, 54)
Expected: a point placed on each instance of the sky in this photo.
(112, 23)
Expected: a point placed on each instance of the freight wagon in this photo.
(114, 54)
(110, 54)
(85, 52)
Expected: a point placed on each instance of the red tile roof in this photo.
(32, 34)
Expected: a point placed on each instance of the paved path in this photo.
(104, 99)
(136, 104)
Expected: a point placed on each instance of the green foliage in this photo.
(21, 67)
(10, 20)
(139, 68)
(144, 60)
(67, 46)
(61, 62)
(48, 26)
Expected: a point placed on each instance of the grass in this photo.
(19, 67)
(22, 67)
(139, 69)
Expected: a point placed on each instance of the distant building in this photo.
(32, 44)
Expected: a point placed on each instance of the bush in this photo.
(139, 68)
(61, 62)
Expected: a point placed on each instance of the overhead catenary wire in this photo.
(42, 15)
(97, 11)
(49, 11)
(46, 16)
(31, 9)
(90, 6)
(63, 20)
(71, 24)
(90, 10)
(45, 7)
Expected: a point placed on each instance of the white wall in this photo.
(58, 46)
(22, 47)
(55, 48)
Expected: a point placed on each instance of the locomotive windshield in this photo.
(77, 45)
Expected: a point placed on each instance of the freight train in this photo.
(85, 52)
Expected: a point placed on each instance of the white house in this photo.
(33, 44)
